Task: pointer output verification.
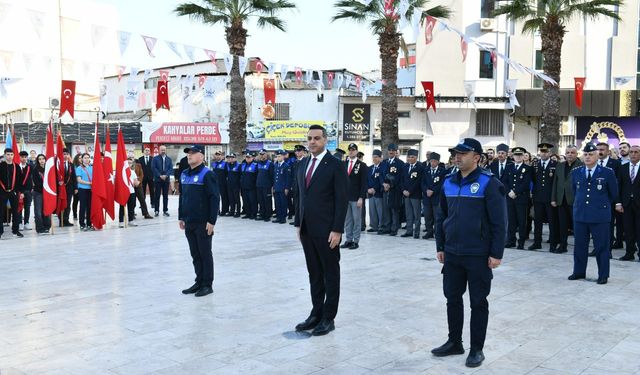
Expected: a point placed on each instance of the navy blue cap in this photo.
(194, 148)
(434, 156)
(299, 148)
(353, 146)
(231, 155)
(377, 153)
(412, 152)
(519, 150)
(589, 147)
(467, 145)
(360, 154)
(392, 147)
(340, 151)
(263, 151)
(281, 152)
(502, 147)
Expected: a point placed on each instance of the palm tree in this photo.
(549, 18)
(233, 14)
(385, 26)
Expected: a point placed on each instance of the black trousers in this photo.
(224, 197)
(565, 218)
(250, 202)
(26, 210)
(84, 196)
(76, 200)
(265, 202)
(148, 182)
(620, 232)
(139, 193)
(67, 210)
(290, 204)
(131, 208)
(12, 197)
(544, 211)
(281, 205)
(430, 209)
(363, 219)
(631, 217)
(234, 200)
(390, 215)
(323, 265)
(458, 271)
(200, 248)
(42, 222)
(517, 221)
(162, 187)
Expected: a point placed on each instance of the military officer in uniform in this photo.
(374, 191)
(248, 174)
(519, 177)
(281, 185)
(431, 185)
(264, 185)
(596, 191)
(544, 170)
(411, 183)
(233, 185)
(392, 196)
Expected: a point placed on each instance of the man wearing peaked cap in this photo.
(339, 154)
(544, 170)
(391, 169)
(596, 191)
(432, 180)
(264, 185)
(356, 193)
(374, 190)
(281, 185)
(411, 180)
(233, 185)
(518, 186)
(219, 167)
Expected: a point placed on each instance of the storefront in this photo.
(176, 135)
(275, 135)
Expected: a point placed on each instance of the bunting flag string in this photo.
(150, 43)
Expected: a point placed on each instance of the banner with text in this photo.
(288, 129)
(356, 125)
(182, 133)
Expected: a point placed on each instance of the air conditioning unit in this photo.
(487, 24)
(39, 115)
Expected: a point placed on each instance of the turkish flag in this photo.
(123, 187)
(49, 191)
(162, 95)
(579, 87)
(429, 25)
(98, 192)
(429, 97)
(464, 47)
(67, 97)
(164, 75)
(62, 189)
(269, 91)
(201, 80)
(109, 177)
(330, 77)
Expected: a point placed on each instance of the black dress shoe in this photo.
(18, 234)
(553, 248)
(535, 246)
(67, 224)
(602, 280)
(308, 324)
(427, 236)
(325, 326)
(346, 245)
(576, 277)
(203, 291)
(475, 358)
(383, 232)
(165, 213)
(627, 257)
(192, 289)
(156, 214)
(617, 245)
(510, 245)
(520, 247)
(407, 235)
(371, 230)
(354, 245)
(395, 233)
(236, 215)
(416, 236)
(592, 253)
(561, 249)
(448, 348)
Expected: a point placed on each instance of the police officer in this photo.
(197, 214)
(339, 154)
(219, 166)
(248, 175)
(518, 189)
(374, 191)
(233, 185)
(596, 191)
(281, 185)
(431, 185)
(392, 196)
(411, 182)
(544, 170)
(470, 243)
(264, 185)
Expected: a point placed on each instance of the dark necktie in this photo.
(602, 163)
(310, 172)
(588, 175)
(501, 169)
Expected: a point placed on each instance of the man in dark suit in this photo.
(70, 182)
(147, 180)
(321, 191)
(392, 196)
(543, 211)
(501, 163)
(434, 174)
(616, 220)
(375, 192)
(356, 193)
(411, 181)
(562, 195)
(162, 167)
(629, 184)
(518, 190)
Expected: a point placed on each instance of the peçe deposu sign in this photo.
(181, 133)
(356, 125)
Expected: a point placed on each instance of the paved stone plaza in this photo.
(109, 302)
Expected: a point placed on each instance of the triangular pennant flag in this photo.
(259, 67)
(429, 25)
(120, 69)
(97, 34)
(211, 55)
(7, 59)
(104, 97)
(283, 72)
(330, 77)
(272, 70)
(308, 76)
(188, 50)
(189, 80)
(210, 91)
(298, 75)
(358, 83)
(174, 47)
(464, 47)
(131, 97)
(470, 92)
(37, 21)
(164, 75)
(133, 72)
(242, 64)
(228, 62)
(150, 43)
(321, 77)
(510, 86)
(339, 81)
(621, 81)
(347, 80)
(123, 41)
(147, 74)
(201, 80)
(364, 93)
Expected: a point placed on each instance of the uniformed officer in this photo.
(596, 191)
(197, 214)
(470, 243)
(300, 152)
(233, 185)
(411, 185)
(264, 185)
(248, 175)
(543, 211)
(339, 154)
(374, 192)
(219, 166)
(431, 186)
(281, 186)
(10, 191)
(518, 186)
(392, 197)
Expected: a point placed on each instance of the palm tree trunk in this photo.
(552, 35)
(236, 36)
(389, 43)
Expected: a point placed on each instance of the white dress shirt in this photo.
(315, 167)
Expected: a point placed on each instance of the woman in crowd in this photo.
(76, 164)
(43, 223)
(84, 173)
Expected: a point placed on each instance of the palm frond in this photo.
(517, 10)
(591, 9)
(201, 14)
(532, 25)
(439, 11)
(349, 14)
(272, 21)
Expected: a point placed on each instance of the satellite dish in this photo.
(55, 103)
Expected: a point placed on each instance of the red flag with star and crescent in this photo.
(67, 97)
(162, 95)
(269, 91)
(49, 191)
(62, 189)
(123, 186)
(109, 177)
(429, 97)
(579, 87)
(98, 193)
(429, 25)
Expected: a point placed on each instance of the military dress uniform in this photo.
(543, 174)
(596, 191)
(431, 180)
(281, 186)
(519, 181)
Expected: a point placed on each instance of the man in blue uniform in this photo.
(431, 185)
(518, 189)
(264, 185)
(233, 185)
(281, 185)
(374, 191)
(596, 190)
(410, 181)
(219, 167)
(470, 243)
(197, 214)
(248, 174)
(392, 197)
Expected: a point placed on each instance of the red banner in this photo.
(579, 87)
(269, 91)
(186, 133)
(49, 190)
(62, 189)
(109, 178)
(429, 25)
(67, 97)
(464, 47)
(429, 97)
(162, 95)
(98, 192)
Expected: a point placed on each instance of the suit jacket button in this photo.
(587, 202)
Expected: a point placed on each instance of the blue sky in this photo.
(311, 40)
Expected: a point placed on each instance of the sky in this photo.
(311, 41)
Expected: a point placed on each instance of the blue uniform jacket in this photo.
(474, 215)
(233, 175)
(281, 176)
(520, 181)
(593, 200)
(374, 180)
(265, 174)
(199, 196)
(248, 175)
(412, 182)
(433, 181)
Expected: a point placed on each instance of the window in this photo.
(151, 83)
(486, 65)
(539, 66)
(490, 122)
(282, 112)
(404, 114)
(486, 8)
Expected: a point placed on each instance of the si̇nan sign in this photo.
(181, 132)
